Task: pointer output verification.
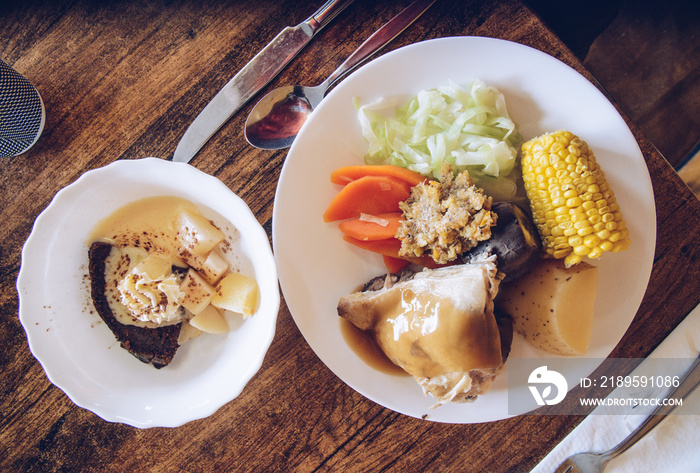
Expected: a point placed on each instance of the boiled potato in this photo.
(552, 307)
(196, 233)
(198, 292)
(237, 293)
(214, 268)
(211, 266)
(210, 320)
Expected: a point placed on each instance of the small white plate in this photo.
(76, 349)
(542, 94)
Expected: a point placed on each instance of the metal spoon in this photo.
(277, 118)
(595, 462)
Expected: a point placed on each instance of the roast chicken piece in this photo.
(438, 325)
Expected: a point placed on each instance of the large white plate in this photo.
(78, 352)
(317, 267)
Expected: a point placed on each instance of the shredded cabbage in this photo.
(467, 127)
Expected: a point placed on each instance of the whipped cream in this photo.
(151, 292)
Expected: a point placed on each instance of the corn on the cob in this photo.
(573, 206)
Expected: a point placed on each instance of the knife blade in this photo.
(254, 76)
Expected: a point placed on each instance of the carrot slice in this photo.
(349, 174)
(369, 194)
(394, 265)
(364, 229)
(391, 248)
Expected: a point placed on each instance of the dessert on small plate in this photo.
(81, 354)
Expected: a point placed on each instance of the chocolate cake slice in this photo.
(156, 346)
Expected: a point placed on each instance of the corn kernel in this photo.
(574, 202)
(589, 205)
(595, 253)
(566, 225)
(591, 241)
(558, 254)
(559, 202)
(570, 232)
(606, 245)
(585, 231)
(603, 234)
(572, 259)
(575, 240)
(577, 217)
(582, 224)
(581, 250)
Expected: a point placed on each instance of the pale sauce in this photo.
(146, 223)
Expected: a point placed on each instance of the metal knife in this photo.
(254, 76)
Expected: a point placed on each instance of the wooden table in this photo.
(123, 80)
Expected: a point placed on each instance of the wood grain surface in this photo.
(648, 58)
(123, 80)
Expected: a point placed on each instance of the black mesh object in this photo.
(21, 112)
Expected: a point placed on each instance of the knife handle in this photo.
(325, 14)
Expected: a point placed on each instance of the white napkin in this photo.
(673, 446)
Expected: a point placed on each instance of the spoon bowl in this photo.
(277, 118)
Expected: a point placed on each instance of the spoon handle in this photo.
(687, 385)
(380, 38)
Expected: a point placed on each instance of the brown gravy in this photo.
(362, 343)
